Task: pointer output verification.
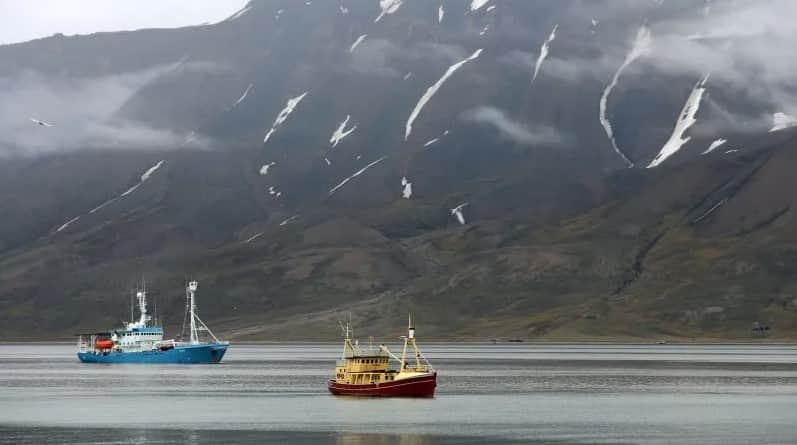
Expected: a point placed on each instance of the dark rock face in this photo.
(561, 239)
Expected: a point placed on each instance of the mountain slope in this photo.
(267, 156)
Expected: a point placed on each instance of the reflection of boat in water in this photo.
(367, 371)
(138, 342)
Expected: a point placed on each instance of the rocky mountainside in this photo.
(569, 169)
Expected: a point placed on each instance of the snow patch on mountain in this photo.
(388, 7)
(289, 220)
(67, 224)
(406, 186)
(357, 42)
(356, 174)
(433, 89)
(103, 205)
(710, 211)
(283, 115)
(433, 141)
(253, 237)
(715, 145)
(144, 178)
(341, 132)
(243, 96)
(147, 174)
(782, 121)
(544, 49)
(475, 5)
(130, 190)
(685, 121)
(642, 46)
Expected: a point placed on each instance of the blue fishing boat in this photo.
(138, 342)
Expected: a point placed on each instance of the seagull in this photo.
(457, 212)
(264, 169)
(42, 123)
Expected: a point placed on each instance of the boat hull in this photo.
(421, 386)
(186, 354)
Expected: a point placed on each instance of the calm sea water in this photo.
(502, 393)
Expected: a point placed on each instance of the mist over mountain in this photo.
(502, 168)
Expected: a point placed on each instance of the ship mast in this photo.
(192, 287)
(410, 337)
(196, 323)
(347, 339)
(409, 341)
(141, 296)
(142, 306)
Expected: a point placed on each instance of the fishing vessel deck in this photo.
(370, 372)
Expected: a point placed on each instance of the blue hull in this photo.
(185, 354)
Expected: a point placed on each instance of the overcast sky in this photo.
(23, 20)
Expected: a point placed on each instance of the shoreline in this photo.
(619, 342)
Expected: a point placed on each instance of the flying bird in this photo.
(42, 123)
(457, 212)
(264, 169)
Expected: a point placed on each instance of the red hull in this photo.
(422, 386)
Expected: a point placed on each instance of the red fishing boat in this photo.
(367, 371)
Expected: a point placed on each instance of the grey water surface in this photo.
(487, 393)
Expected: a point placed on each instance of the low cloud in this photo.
(83, 113)
(512, 130)
(382, 57)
